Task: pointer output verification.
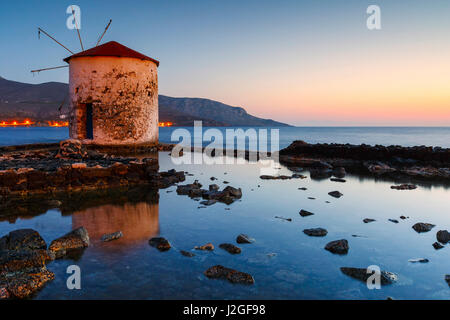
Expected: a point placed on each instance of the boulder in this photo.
(443, 236)
(316, 232)
(23, 273)
(305, 213)
(74, 241)
(335, 194)
(221, 272)
(243, 238)
(230, 248)
(423, 227)
(112, 236)
(233, 192)
(22, 239)
(159, 243)
(338, 246)
(185, 189)
(361, 274)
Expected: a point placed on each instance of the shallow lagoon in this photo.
(285, 263)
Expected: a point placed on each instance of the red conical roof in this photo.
(111, 49)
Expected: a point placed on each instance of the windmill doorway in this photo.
(89, 123)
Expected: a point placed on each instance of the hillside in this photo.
(41, 102)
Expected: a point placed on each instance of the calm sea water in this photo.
(405, 136)
(285, 263)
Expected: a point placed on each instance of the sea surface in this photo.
(405, 136)
(285, 262)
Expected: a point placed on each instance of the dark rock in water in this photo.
(368, 220)
(208, 202)
(206, 247)
(75, 240)
(378, 167)
(231, 248)
(213, 187)
(403, 217)
(335, 194)
(338, 246)
(22, 239)
(423, 227)
(159, 243)
(221, 272)
(443, 236)
(23, 273)
(233, 192)
(243, 238)
(393, 220)
(437, 246)
(187, 253)
(316, 232)
(213, 178)
(112, 236)
(338, 180)
(185, 189)
(447, 279)
(311, 198)
(421, 260)
(282, 218)
(404, 187)
(305, 213)
(339, 172)
(226, 182)
(362, 275)
(321, 173)
(302, 188)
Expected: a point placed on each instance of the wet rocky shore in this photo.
(419, 162)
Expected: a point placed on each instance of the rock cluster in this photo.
(194, 190)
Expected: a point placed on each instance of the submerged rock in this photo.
(243, 238)
(421, 260)
(443, 236)
(368, 220)
(437, 246)
(231, 248)
(221, 272)
(361, 274)
(338, 180)
(75, 240)
(206, 247)
(335, 194)
(282, 218)
(404, 187)
(305, 213)
(393, 220)
(22, 239)
(160, 243)
(187, 253)
(112, 236)
(423, 227)
(316, 232)
(338, 246)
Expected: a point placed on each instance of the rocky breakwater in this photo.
(73, 168)
(393, 161)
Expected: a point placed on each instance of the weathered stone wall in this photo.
(124, 97)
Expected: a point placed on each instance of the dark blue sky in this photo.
(305, 62)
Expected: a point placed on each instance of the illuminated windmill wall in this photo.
(113, 96)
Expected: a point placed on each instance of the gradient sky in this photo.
(303, 62)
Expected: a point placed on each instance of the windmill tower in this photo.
(113, 95)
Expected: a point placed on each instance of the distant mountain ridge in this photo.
(42, 101)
